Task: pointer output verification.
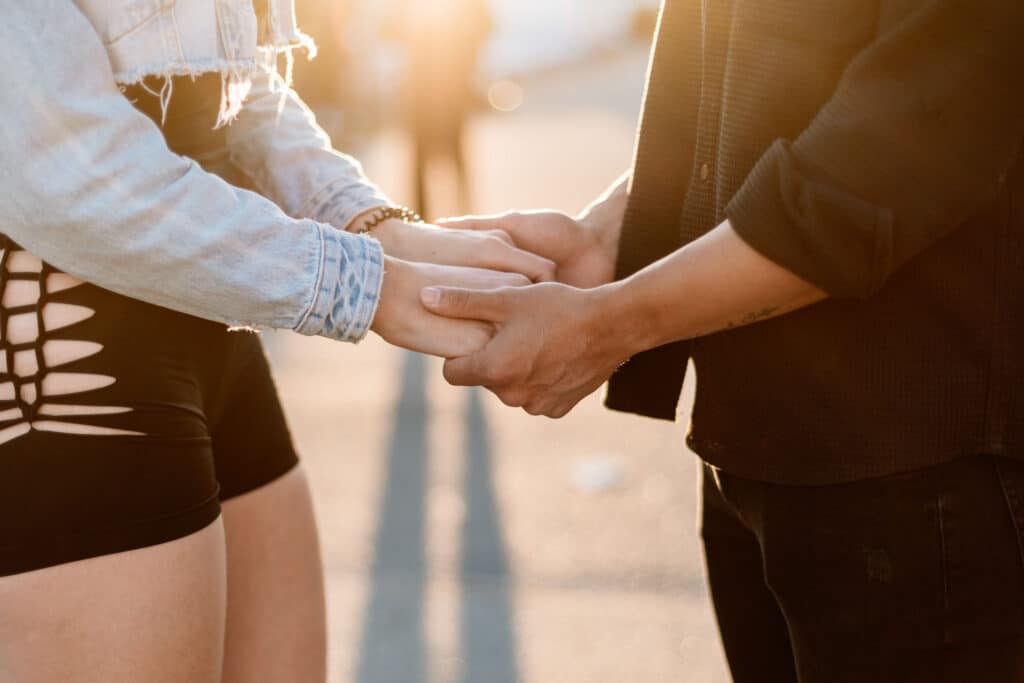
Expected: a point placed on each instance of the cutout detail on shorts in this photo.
(29, 358)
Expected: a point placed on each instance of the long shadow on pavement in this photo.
(488, 628)
(393, 645)
(393, 648)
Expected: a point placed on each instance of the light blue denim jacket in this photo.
(88, 184)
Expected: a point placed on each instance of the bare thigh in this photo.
(276, 624)
(154, 614)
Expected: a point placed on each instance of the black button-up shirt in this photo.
(872, 147)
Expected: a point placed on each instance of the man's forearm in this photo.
(715, 283)
(556, 343)
(604, 215)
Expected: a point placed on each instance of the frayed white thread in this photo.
(286, 42)
(281, 83)
(236, 74)
(165, 99)
(303, 42)
(164, 94)
(234, 90)
(236, 81)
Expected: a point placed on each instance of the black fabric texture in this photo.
(874, 149)
(915, 577)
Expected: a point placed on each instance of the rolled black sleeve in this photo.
(919, 134)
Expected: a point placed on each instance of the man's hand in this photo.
(585, 255)
(552, 347)
(490, 249)
(401, 319)
(555, 344)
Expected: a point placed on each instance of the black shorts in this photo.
(122, 424)
(147, 420)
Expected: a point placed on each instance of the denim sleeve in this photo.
(89, 185)
(277, 144)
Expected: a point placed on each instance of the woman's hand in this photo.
(403, 321)
(584, 254)
(490, 249)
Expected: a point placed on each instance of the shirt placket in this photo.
(700, 210)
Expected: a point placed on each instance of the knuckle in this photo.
(534, 408)
(500, 235)
(511, 398)
(559, 412)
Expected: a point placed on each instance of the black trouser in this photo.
(913, 577)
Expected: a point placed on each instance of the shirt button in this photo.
(705, 172)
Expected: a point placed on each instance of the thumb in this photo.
(473, 304)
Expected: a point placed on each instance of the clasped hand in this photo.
(551, 344)
(463, 291)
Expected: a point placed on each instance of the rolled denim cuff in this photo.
(343, 200)
(348, 288)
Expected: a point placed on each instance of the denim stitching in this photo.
(319, 286)
(349, 293)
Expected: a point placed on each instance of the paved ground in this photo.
(469, 543)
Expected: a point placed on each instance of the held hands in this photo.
(550, 347)
(401, 319)
(543, 348)
(553, 344)
(420, 255)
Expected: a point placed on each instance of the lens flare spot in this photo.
(506, 95)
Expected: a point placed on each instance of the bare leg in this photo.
(154, 614)
(276, 625)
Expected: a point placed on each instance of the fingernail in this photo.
(430, 296)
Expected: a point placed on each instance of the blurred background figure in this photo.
(444, 39)
(329, 83)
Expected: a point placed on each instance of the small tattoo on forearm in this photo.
(752, 317)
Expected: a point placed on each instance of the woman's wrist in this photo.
(392, 233)
(394, 271)
(388, 233)
(358, 223)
